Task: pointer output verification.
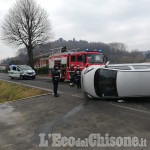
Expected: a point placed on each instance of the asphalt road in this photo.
(71, 114)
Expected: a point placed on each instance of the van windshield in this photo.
(105, 83)
(95, 58)
(25, 67)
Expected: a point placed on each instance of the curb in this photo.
(31, 96)
(28, 85)
(27, 98)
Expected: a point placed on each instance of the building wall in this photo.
(42, 62)
(2, 69)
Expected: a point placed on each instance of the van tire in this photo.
(33, 78)
(12, 78)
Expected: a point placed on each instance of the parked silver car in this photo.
(111, 82)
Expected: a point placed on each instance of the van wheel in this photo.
(12, 78)
(33, 78)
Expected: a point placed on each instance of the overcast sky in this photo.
(126, 21)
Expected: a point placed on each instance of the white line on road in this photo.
(121, 106)
(78, 96)
(130, 108)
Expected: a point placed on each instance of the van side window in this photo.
(18, 69)
(14, 68)
(73, 58)
(79, 58)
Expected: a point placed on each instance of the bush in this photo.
(42, 70)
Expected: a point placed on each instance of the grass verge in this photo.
(12, 91)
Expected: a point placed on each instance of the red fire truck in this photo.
(83, 59)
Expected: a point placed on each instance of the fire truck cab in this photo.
(66, 59)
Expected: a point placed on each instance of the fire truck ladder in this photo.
(57, 51)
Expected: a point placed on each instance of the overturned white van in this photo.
(101, 82)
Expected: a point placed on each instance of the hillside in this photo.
(116, 52)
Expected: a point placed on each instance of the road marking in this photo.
(78, 96)
(8, 145)
(31, 86)
(125, 107)
(131, 108)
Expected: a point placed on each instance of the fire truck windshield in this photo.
(95, 58)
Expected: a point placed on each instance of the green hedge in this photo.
(42, 70)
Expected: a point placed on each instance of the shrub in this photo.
(42, 70)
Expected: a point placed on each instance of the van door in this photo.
(18, 72)
(15, 72)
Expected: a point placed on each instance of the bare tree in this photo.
(26, 24)
(118, 51)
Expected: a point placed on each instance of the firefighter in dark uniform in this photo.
(78, 76)
(71, 72)
(55, 79)
(64, 49)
